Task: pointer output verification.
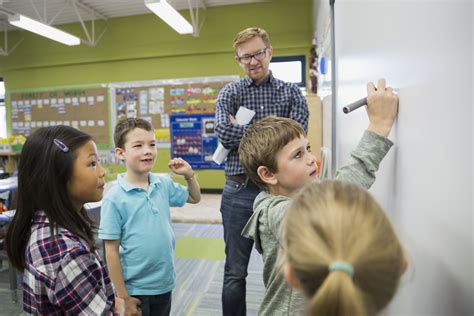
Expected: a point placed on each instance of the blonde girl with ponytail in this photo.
(341, 250)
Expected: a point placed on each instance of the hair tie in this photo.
(342, 266)
(61, 145)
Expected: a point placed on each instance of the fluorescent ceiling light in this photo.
(42, 29)
(168, 14)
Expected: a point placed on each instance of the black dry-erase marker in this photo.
(355, 105)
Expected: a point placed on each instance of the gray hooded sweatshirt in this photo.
(269, 211)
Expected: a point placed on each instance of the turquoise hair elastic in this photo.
(342, 266)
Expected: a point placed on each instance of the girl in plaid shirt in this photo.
(50, 237)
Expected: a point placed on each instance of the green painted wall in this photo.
(145, 48)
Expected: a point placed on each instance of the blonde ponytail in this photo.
(337, 296)
(336, 221)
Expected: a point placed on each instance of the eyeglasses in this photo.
(246, 59)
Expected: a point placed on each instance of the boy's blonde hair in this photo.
(338, 221)
(262, 141)
(248, 34)
(125, 126)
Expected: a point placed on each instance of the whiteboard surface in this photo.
(424, 49)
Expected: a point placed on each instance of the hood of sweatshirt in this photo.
(264, 204)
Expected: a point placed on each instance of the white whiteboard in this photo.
(424, 49)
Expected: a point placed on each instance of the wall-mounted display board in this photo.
(158, 99)
(194, 139)
(85, 108)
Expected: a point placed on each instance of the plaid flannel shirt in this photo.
(62, 276)
(274, 97)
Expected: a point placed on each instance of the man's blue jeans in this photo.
(236, 209)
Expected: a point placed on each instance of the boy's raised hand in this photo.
(382, 107)
(181, 167)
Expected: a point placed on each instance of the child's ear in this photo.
(266, 175)
(119, 153)
(290, 276)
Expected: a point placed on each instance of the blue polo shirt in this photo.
(141, 221)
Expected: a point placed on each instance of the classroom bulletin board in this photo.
(157, 100)
(85, 108)
(96, 109)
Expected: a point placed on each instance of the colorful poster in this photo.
(194, 139)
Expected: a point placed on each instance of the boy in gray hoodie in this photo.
(277, 157)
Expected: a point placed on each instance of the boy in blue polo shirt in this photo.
(136, 223)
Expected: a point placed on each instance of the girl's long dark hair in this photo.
(44, 171)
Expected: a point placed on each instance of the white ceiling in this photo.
(63, 11)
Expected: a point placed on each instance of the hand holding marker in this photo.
(357, 104)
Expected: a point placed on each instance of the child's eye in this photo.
(137, 146)
(94, 163)
(308, 149)
(298, 154)
(153, 145)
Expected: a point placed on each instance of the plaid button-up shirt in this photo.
(62, 276)
(274, 97)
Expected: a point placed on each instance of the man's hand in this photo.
(232, 120)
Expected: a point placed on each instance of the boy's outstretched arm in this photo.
(382, 107)
(182, 167)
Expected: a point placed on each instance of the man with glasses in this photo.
(266, 95)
